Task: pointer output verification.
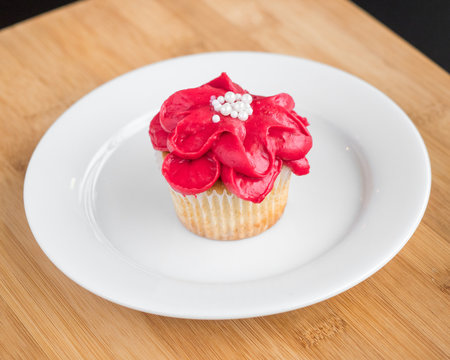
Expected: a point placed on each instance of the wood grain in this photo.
(48, 62)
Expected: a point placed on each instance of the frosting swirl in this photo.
(246, 155)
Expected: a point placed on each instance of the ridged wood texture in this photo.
(48, 62)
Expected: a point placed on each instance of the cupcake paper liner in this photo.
(218, 214)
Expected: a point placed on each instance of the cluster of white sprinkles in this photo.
(232, 104)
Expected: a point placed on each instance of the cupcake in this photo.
(228, 156)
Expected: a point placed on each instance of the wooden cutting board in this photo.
(48, 62)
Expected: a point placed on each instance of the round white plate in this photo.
(100, 209)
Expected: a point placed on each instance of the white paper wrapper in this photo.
(220, 215)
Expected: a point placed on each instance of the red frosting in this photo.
(246, 155)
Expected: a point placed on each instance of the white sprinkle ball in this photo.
(230, 97)
(238, 106)
(221, 99)
(226, 109)
(215, 102)
(247, 98)
(217, 107)
(249, 111)
(215, 118)
(238, 96)
(234, 114)
(243, 116)
(213, 97)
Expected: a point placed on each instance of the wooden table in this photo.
(48, 62)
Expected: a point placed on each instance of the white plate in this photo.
(100, 209)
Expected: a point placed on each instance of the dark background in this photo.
(423, 23)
